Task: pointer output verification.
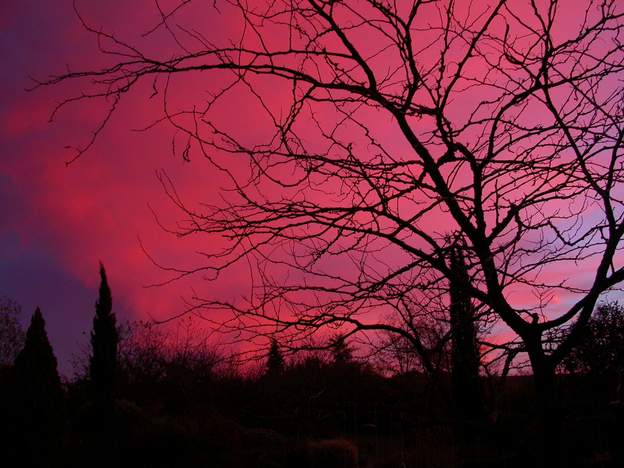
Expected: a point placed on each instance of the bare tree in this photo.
(149, 354)
(404, 129)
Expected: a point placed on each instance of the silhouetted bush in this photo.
(600, 350)
(180, 403)
(171, 371)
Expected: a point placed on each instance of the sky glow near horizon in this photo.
(58, 221)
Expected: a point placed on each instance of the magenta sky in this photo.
(57, 222)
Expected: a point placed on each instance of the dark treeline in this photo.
(144, 398)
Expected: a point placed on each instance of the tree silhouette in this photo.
(39, 413)
(600, 351)
(341, 351)
(406, 127)
(275, 359)
(104, 341)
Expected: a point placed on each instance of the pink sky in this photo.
(57, 222)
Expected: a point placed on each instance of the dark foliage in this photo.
(341, 351)
(275, 359)
(104, 341)
(38, 412)
(180, 404)
(174, 371)
(601, 347)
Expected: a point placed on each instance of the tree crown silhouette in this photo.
(104, 342)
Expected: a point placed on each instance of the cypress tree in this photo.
(275, 360)
(39, 410)
(104, 341)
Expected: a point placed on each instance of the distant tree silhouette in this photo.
(104, 342)
(341, 351)
(39, 412)
(275, 359)
(11, 332)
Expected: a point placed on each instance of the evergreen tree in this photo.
(39, 410)
(341, 351)
(275, 360)
(104, 342)
(36, 366)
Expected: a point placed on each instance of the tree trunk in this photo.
(548, 445)
(467, 393)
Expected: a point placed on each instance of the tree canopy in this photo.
(600, 350)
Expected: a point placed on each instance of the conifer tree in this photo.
(104, 342)
(36, 365)
(275, 360)
(39, 408)
(341, 351)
